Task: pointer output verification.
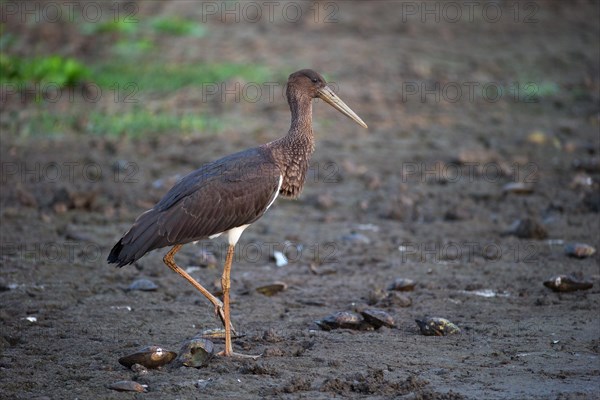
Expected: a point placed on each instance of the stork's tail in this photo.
(140, 239)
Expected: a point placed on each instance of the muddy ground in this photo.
(420, 195)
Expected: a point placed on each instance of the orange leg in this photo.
(219, 307)
(226, 285)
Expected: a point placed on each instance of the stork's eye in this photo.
(315, 80)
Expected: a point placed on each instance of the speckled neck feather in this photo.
(292, 152)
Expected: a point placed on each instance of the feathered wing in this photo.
(222, 195)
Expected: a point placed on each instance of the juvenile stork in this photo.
(227, 195)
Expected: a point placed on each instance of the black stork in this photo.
(229, 194)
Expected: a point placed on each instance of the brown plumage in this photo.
(229, 194)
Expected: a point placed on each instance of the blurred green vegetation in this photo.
(53, 69)
(167, 77)
(138, 123)
(177, 27)
(136, 70)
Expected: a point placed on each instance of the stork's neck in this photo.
(301, 108)
(292, 152)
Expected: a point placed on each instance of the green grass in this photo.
(136, 70)
(132, 49)
(138, 123)
(121, 26)
(164, 78)
(44, 123)
(177, 27)
(45, 70)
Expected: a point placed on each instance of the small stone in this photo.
(376, 295)
(527, 228)
(591, 201)
(395, 300)
(203, 383)
(280, 258)
(581, 181)
(325, 201)
(139, 369)
(437, 327)
(356, 238)
(402, 285)
(83, 200)
(587, 164)
(26, 198)
(537, 137)
(457, 213)
(145, 285)
(206, 258)
(579, 250)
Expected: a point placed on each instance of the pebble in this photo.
(26, 198)
(206, 258)
(356, 238)
(437, 327)
(280, 258)
(128, 386)
(579, 250)
(527, 228)
(591, 201)
(139, 369)
(587, 164)
(395, 300)
(402, 285)
(145, 285)
(581, 181)
(458, 213)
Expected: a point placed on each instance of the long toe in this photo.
(239, 355)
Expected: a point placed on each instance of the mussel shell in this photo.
(127, 386)
(402, 285)
(149, 357)
(579, 250)
(517, 188)
(378, 318)
(395, 300)
(437, 327)
(217, 334)
(341, 320)
(272, 289)
(568, 283)
(196, 352)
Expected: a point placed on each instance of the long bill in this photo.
(333, 100)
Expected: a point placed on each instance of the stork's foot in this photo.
(219, 334)
(238, 355)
